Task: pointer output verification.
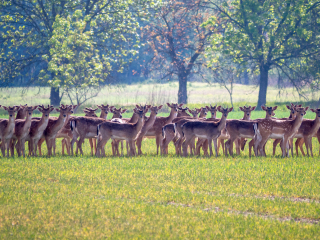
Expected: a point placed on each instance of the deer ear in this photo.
(230, 109)
(57, 109)
(263, 108)
(207, 107)
(160, 107)
(253, 108)
(124, 110)
(168, 104)
(306, 109)
(35, 107)
(312, 110)
(241, 108)
(274, 108)
(219, 108)
(190, 111)
(288, 107)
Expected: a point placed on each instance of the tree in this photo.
(177, 41)
(27, 28)
(267, 34)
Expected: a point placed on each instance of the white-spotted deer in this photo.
(308, 129)
(7, 129)
(203, 129)
(277, 129)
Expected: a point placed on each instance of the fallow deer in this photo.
(169, 133)
(160, 122)
(7, 129)
(21, 131)
(308, 129)
(119, 131)
(37, 128)
(178, 129)
(277, 129)
(55, 124)
(203, 129)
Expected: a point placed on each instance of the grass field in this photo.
(154, 197)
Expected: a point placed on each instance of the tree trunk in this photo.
(246, 78)
(264, 71)
(182, 94)
(54, 97)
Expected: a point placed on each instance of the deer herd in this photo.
(189, 133)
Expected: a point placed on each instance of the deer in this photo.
(160, 122)
(55, 124)
(224, 133)
(277, 129)
(37, 128)
(205, 129)
(119, 131)
(21, 131)
(178, 129)
(7, 129)
(308, 129)
(182, 112)
(86, 127)
(66, 132)
(291, 117)
(238, 130)
(169, 133)
(22, 112)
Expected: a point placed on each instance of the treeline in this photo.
(76, 47)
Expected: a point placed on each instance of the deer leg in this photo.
(297, 146)
(283, 147)
(122, 147)
(39, 145)
(100, 147)
(12, 142)
(237, 143)
(275, 143)
(158, 142)
(301, 146)
(192, 148)
(215, 146)
(243, 142)
(291, 146)
(91, 146)
(210, 146)
(198, 146)
(310, 145)
(251, 145)
(205, 147)
(306, 142)
(22, 147)
(3, 148)
(138, 143)
(226, 147)
(185, 147)
(80, 142)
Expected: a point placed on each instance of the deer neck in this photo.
(214, 115)
(172, 115)
(21, 114)
(138, 125)
(43, 123)
(297, 123)
(11, 123)
(134, 118)
(268, 116)
(151, 120)
(201, 116)
(59, 123)
(27, 123)
(222, 123)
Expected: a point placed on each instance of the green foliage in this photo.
(267, 34)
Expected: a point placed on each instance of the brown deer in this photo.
(86, 127)
(277, 129)
(21, 131)
(308, 129)
(55, 124)
(291, 117)
(22, 112)
(204, 129)
(146, 126)
(169, 133)
(7, 129)
(182, 112)
(119, 131)
(160, 122)
(37, 128)
(178, 129)
(240, 129)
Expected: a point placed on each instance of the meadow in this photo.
(161, 197)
